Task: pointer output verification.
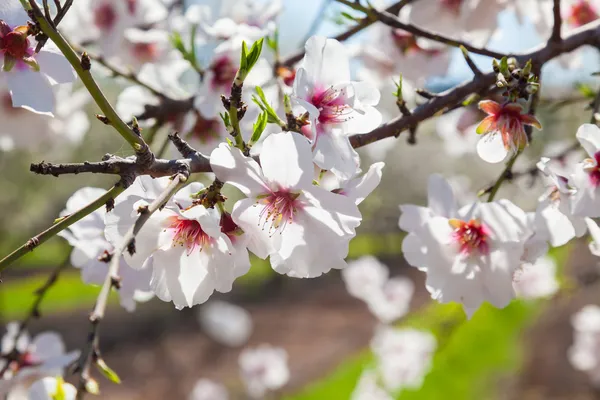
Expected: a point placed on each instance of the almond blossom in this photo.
(403, 356)
(537, 280)
(458, 131)
(226, 323)
(586, 177)
(44, 355)
(104, 22)
(553, 213)
(336, 105)
(51, 388)
(368, 388)
(503, 130)
(263, 369)
(91, 251)
(183, 244)
(205, 389)
(469, 256)
(584, 352)
(387, 298)
(359, 187)
(303, 228)
(472, 19)
(28, 75)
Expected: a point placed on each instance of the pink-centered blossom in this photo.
(304, 228)
(51, 388)
(503, 130)
(183, 244)
(336, 105)
(29, 76)
(586, 177)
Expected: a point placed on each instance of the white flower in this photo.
(28, 75)
(553, 213)
(51, 388)
(358, 187)
(205, 389)
(472, 258)
(183, 244)
(263, 369)
(226, 323)
(586, 178)
(33, 359)
(457, 129)
(595, 234)
(91, 250)
(303, 228)
(537, 280)
(585, 351)
(104, 22)
(368, 388)
(367, 279)
(364, 276)
(336, 105)
(403, 355)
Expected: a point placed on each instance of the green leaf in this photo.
(398, 92)
(244, 57)
(177, 42)
(107, 371)
(261, 101)
(586, 90)
(504, 67)
(254, 55)
(273, 41)
(259, 127)
(226, 119)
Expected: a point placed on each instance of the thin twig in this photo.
(62, 224)
(395, 22)
(112, 280)
(363, 24)
(82, 67)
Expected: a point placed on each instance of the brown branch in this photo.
(183, 147)
(587, 35)
(395, 22)
(363, 24)
(91, 351)
(556, 28)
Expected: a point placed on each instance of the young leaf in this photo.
(586, 90)
(107, 371)
(259, 127)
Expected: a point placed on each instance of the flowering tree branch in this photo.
(82, 67)
(91, 353)
(363, 24)
(395, 22)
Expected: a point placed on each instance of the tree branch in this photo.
(363, 24)
(395, 22)
(82, 67)
(90, 354)
(31, 244)
(556, 28)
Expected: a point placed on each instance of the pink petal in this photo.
(490, 107)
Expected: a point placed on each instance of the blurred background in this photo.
(159, 352)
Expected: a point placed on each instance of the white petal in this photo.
(360, 189)
(286, 160)
(231, 166)
(31, 90)
(54, 65)
(441, 197)
(334, 152)
(326, 61)
(589, 137)
(491, 148)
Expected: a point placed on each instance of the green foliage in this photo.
(108, 372)
(258, 127)
(472, 354)
(249, 58)
(261, 101)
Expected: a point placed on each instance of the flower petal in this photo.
(31, 90)
(491, 148)
(589, 137)
(286, 160)
(231, 166)
(490, 107)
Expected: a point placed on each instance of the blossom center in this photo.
(280, 209)
(188, 233)
(593, 169)
(145, 52)
(452, 5)
(332, 105)
(407, 43)
(472, 236)
(14, 42)
(105, 17)
(132, 6)
(582, 13)
(223, 72)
